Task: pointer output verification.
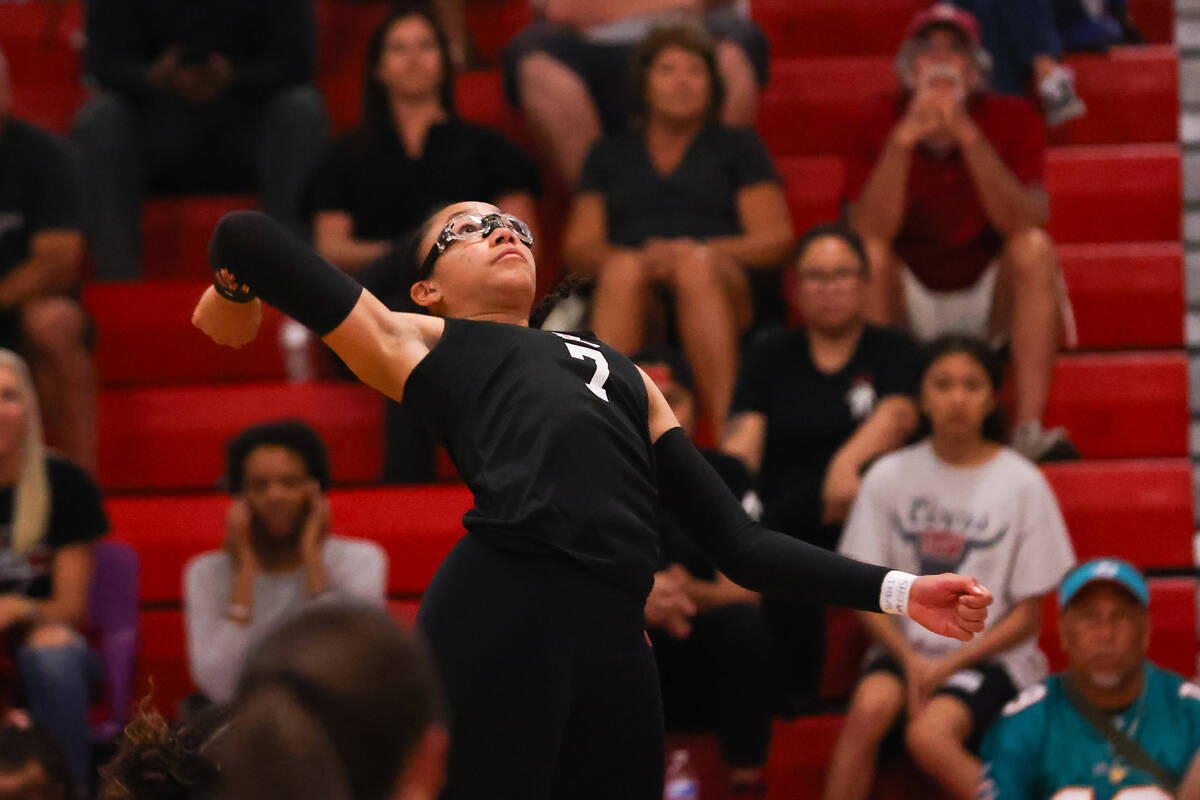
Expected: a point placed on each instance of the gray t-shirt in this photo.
(356, 569)
(998, 522)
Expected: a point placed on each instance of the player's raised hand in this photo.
(226, 322)
(949, 604)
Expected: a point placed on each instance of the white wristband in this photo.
(893, 595)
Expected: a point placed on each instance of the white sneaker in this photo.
(1060, 103)
(1032, 441)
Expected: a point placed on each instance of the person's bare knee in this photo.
(53, 327)
(944, 721)
(698, 271)
(543, 77)
(622, 273)
(50, 636)
(1030, 256)
(874, 708)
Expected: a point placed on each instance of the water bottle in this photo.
(681, 783)
(295, 344)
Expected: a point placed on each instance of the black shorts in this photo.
(983, 688)
(602, 66)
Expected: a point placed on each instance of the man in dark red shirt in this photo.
(949, 198)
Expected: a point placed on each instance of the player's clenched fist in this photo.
(226, 322)
(949, 604)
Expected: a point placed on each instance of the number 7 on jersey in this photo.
(583, 350)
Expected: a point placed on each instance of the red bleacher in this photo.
(170, 399)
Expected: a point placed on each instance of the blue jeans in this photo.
(56, 683)
(1014, 31)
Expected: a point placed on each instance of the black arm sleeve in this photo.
(282, 270)
(752, 556)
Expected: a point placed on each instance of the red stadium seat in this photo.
(1154, 18)
(1122, 405)
(834, 27)
(1141, 511)
(1121, 193)
(175, 232)
(167, 438)
(815, 187)
(162, 671)
(1132, 95)
(1126, 295)
(157, 345)
(814, 105)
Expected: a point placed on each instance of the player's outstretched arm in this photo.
(251, 254)
(770, 562)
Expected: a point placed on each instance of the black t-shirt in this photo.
(39, 189)
(677, 547)
(388, 193)
(550, 432)
(697, 200)
(76, 515)
(810, 414)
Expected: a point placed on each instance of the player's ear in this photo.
(425, 293)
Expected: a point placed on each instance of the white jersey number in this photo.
(586, 351)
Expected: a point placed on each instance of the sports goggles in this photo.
(465, 227)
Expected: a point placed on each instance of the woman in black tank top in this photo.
(535, 618)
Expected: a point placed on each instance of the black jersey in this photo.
(551, 433)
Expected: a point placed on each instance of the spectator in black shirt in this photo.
(813, 407)
(683, 203)
(410, 152)
(41, 249)
(50, 515)
(710, 643)
(196, 97)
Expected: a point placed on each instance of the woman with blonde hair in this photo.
(50, 515)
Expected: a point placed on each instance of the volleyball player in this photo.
(535, 618)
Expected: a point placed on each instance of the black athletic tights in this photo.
(551, 684)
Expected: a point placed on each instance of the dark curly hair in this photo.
(684, 37)
(161, 761)
(292, 434)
